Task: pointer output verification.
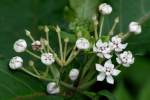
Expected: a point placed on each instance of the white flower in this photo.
(20, 45)
(102, 49)
(126, 58)
(115, 44)
(82, 43)
(135, 27)
(16, 62)
(36, 45)
(105, 9)
(47, 58)
(52, 88)
(107, 71)
(73, 75)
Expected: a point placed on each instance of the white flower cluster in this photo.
(21, 46)
(107, 50)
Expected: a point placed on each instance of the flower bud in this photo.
(73, 75)
(47, 58)
(94, 18)
(135, 27)
(27, 33)
(58, 29)
(52, 88)
(20, 45)
(16, 62)
(117, 20)
(46, 29)
(36, 45)
(31, 63)
(66, 40)
(105, 9)
(82, 43)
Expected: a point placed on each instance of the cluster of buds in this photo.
(104, 47)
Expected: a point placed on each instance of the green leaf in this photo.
(84, 9)
(71, 37)
(144, 94)
(51, 97)
(107, 94)
(121, 93)
(139, 71)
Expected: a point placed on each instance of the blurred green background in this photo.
(17, 15)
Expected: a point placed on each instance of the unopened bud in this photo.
(31, 63)
(73, 75)
(66, 40)
(46, 29)
(27, 33)
(58, 29)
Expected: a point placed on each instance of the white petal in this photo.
(118, 60)
(94, 49)
(100, 68)
(110, 79)
(107, 56)
(101, 77)
(100, 55)
(124, 45)
(118, 49)
(115, 72)
(108, 63)
(98, 43)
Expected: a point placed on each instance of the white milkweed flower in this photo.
(135, 27)
(47, 58)
(52, 88)
(36, 45)
(20, 45)
(126, 58)
(102, 49)
(115, 44)
(16, 62)
(73, 75)
(82, 44)
(107, 71)
(105, 9)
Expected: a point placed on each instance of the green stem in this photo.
(71, 57)
(125, 36)
(60, 45)
(101, 26)
(86, 85)
(30, 36)
(65, 51)
(34, 55)
(36, 76)
(35, 70)
(87, 66)
(114, 26)
(46, 71)
(95, 31)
